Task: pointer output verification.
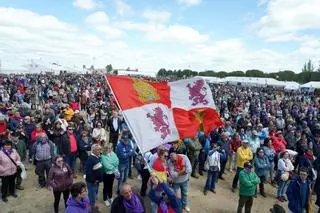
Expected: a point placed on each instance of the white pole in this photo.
(130, 128)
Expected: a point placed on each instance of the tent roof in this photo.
(311, 84)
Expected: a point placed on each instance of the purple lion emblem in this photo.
(160, 122)
(197, 93)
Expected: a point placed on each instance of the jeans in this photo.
(232, 161)
(282, 188)
(42, 169)
(194, 161)
(271, 172)
(211, 180)
(71, 160)
(261, 184)
(124, 172)
(202, 160)
(184, 192)
(145, 175)
(57, 195)
(236, 178)
(245, 201)
(107, 186)
(222, 167)
(92, 193)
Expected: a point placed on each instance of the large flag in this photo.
(161, 112)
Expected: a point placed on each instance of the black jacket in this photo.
(110, 124)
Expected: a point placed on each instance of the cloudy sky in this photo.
(270, 35)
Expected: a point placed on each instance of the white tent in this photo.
(311, 84)
(251, 81)
(134, 73)
(291, 85)
(212, 79)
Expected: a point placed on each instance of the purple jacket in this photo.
(74, 206)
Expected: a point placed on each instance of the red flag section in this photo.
(135, 92)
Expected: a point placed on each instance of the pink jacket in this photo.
(6, 166)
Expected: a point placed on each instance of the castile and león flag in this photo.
(162, 112)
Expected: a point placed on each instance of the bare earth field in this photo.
(32, 200)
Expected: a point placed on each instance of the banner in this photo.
(161, 112)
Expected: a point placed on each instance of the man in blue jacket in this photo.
(124, 152)
(298, 193)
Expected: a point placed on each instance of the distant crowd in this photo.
(58, 123)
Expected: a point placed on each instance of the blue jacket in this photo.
(93, 169)
(155, 196)
(294, 195)
(225, 145)
(262, 165)
(124, 152)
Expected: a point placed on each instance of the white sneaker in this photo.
(187, 209)
(107, 203)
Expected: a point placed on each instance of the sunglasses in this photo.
(70, 129)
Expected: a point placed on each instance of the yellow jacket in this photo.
(243, 155)
(68, 114)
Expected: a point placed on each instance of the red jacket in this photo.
(3, 127)
(35, 133)
(278, 144)
(74, 106)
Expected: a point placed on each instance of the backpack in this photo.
(139, 162)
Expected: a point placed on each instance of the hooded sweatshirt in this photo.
(75, 206)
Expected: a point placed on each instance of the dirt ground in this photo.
(32, 200)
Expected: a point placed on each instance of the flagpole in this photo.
(130, 128)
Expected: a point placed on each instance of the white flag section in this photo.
(151, 125)
(191, 94)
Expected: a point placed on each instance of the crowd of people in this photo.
(56, 122)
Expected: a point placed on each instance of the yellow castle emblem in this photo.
(146, 92)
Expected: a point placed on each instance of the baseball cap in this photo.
(245, 141)
(248, 165)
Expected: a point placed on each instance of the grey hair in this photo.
(122, 186)
(95, 146)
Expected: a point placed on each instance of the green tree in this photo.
(109, 68)
(255, 73)
(308, 67)
(236, 73)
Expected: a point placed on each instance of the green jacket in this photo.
(110, 162)
(21, 148)
(248, 183)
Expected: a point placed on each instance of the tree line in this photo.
(308, 73)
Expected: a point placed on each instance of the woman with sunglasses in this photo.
(60, 179)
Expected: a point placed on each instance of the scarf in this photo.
(309, 156)
(8, 151)
(134, 204)
(179, 165)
